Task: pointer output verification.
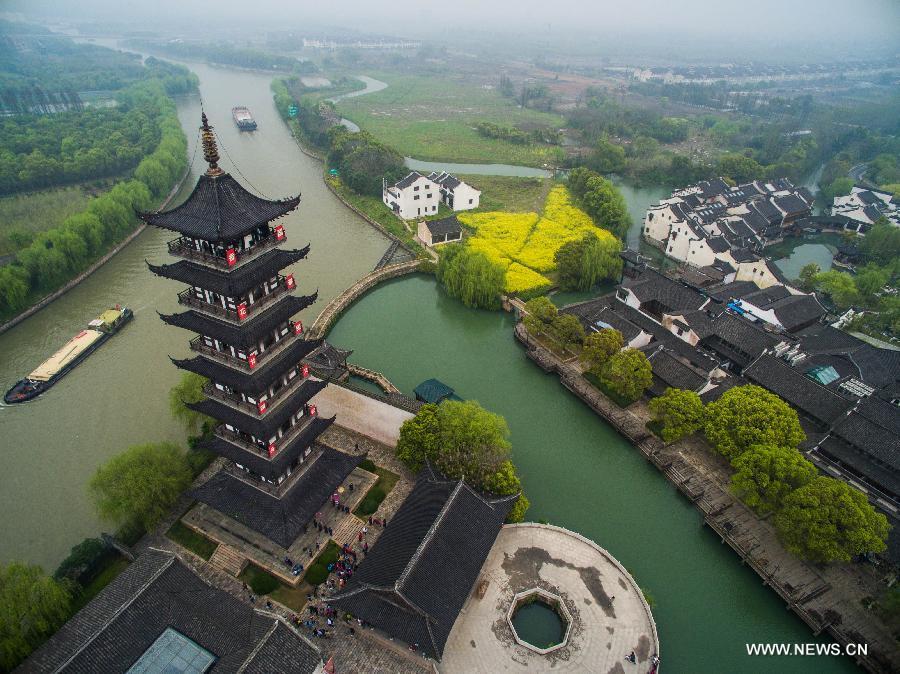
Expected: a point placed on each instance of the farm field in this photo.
(525, 244)
(510, 193)
(434, 119)
(24, 215)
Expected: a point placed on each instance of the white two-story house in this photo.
(456, 194)
(413, 196)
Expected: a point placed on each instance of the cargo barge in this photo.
(64, 361)
(243, 119)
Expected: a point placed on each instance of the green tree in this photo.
(808, 276)
(505, 482)
(582, 264)
(607, 157)
(471, 277)
(766, 474)
(627, 373)
(739, 168)
(419, 437)
(679, 412)
(566, 329)
(827, 520)
(839, 286)
(750, 415)
(141, 484)
(839, 187)
(870, 280)
(881, 244)
(32, 608)
(599, 346)
(189, 389)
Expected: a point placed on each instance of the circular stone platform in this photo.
(609, 616)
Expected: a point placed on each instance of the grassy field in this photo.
(24, 215)
(378, 491)
(193, 541)
(508, 193)
(434, 119)
(263, 583)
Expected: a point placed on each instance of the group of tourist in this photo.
(654, 661)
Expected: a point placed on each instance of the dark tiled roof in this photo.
(672, 295)
(330, 361)
(755, 221)
(809, 397)
(247, 333)
(264, 426)
(597, 314)
(275, 467)
(792, 205)
(797, 311)
(450, 182)
(258, 379)
(738, 340)
(768, 211)
(231, 283)
(868, 197)
(717, 244)
(715, 393)
(827, 339)
(444, 226)
(763, 297)
(861, 463)
(433, 391)
(157, 592)
(416, 578)
(714, 187)
(744, 255)
(408, 180)
(279, 520)
(219, 209)
(671, 372)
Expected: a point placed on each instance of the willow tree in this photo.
(471, 277)
(189, 389)
(583, 263)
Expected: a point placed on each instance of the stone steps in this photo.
(347, 530)
(228, 559)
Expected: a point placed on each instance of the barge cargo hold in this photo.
(64, 361)
(243, 118)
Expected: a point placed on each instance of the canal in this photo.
(578, 472)
(118, 397)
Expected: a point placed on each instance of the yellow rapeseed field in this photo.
(525, 244)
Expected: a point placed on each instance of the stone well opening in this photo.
(539, 620)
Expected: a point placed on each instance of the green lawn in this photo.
(193, 541)
(434, 118)
(264, 583)
(115, 566)
(378, 491)
(509, 193)
(24, 215)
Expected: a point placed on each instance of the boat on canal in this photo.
(243, 118)
(75, 350)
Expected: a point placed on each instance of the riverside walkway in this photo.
(337, 306)
(827, 598)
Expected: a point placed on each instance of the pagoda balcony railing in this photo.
(188, 297)
(197, 344)
(280, 443)
(233, 400)
(184, 247)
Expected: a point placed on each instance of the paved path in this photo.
(610, 618)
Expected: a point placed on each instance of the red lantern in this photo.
(305, 370)
(231, 257)
(272, 449)
(251, 360)
(242, 311)
(289, 282)
(298, 327)
(261, 406)
(279, 232)
(312, 410)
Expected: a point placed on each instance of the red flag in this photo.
(231, 257)
(289, 282)
(242, 311)
(279, 232)
(251, 360)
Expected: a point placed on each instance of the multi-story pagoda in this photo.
(260, 390)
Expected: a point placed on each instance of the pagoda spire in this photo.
(210, 151)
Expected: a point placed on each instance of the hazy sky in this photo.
(783, 23)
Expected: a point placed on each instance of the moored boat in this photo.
(71, 354)
(243, 118)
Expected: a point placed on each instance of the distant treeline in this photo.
(514, 135)
(57, 255)
(229, 55)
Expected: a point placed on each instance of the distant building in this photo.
(864, 207)
(435, 232)
(711, 222)
(456, 194)
(413, 196)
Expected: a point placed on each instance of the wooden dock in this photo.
(375, 377)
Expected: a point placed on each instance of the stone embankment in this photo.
(828, 599)
(56, 294)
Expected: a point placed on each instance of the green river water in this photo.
(577, 471)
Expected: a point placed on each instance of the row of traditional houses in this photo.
(709, 338)
(712, 223)
(864, 206)
(417, 195)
